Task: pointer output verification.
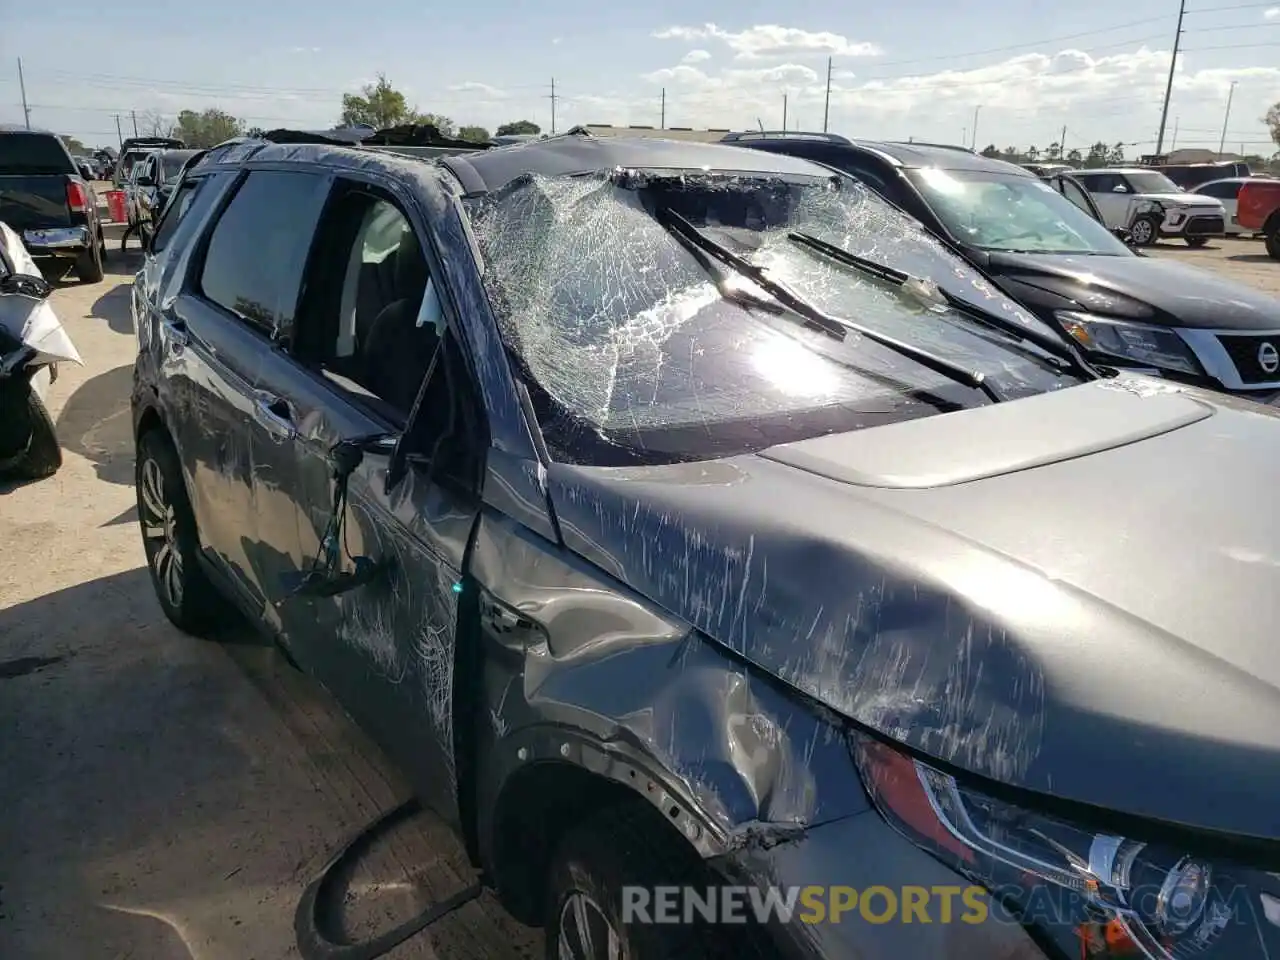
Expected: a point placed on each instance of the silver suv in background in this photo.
(1192, 217)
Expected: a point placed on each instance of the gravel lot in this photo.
(168, 798)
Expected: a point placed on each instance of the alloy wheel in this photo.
(1142, 231)
(160, 532)
(585, 932)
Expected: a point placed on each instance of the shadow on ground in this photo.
(1254, 258)
(95, 423)
(114, 307)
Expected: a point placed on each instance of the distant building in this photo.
(665, 133)
(1199, 155)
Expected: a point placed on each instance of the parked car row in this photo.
(683, 516)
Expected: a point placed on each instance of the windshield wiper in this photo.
(836, 327)
(1057, 347)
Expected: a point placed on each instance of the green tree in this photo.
(1011, 154)
(377, 104)
(474, 134)
(1054, 152)
(1099, 155)
(1117, 154)
(518, 128)
(255, 132)
(208, 128)
(991, 150)
(1272, 120)
(437, 120)
(1033, 153)
(1075, 157)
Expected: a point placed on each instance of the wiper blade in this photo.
(1057, 346)
(837, 327)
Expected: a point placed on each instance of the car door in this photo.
(1071, 188)
(384, 647)
(242, 288)
(1227, 192)
(1112, 196)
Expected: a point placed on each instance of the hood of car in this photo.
(1132, 287)
(1184, 199)
(1075, 594)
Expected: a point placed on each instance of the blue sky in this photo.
(913, 68)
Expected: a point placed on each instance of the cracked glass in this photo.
(633, 353)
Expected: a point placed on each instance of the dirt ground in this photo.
(168, 798)
(164, 797)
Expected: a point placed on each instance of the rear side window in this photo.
(1221, 191)
(34, 153)
(254, 263)
(196, 193)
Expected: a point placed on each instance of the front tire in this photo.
(1145, 231)
(1196, 242)
(30, 442)
(624, 847)
(1273, 243)
(170, 539)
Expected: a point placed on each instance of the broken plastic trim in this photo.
(688, 234)
(312, 918)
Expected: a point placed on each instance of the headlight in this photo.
(1136, 342)
(1092, 895)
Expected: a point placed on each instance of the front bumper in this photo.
(56, 241)
(863, 854)
(1182, 224)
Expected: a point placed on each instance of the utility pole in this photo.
(134, 115)
(662, 123)
(1062, 146)
(22, 84)
(973, 144)
(119, 135)
(1168, 87)
(1174, 145)
(826, 106)
(784, 111)
(1226, 119)
(554, 98)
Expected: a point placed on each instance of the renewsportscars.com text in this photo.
(813, 904)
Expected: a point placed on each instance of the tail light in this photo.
(77, 196)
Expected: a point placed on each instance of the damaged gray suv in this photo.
(735, 568)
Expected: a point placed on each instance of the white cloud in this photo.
(304, 49)
(1023, 99)
(766, 41)
(695, 56)
(556, 41)
(480, 89)
(1272, 14)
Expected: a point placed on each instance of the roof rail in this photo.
(935, 146)
(417, 135)
(791, 134)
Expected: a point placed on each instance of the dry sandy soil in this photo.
(164, 797)
(167, 798)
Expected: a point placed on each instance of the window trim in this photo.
(279, 333)
(192, 183)
(393, 192)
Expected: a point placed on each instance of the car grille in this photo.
(1244, 351)
(1201, 225)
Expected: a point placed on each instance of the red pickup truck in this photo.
(1258, 211)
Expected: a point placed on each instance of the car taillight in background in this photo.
(77, 196)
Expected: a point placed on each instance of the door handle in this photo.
(273, 413)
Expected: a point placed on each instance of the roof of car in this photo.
(580, 153)
(938, 155)
(21, 128)
(1209, 183)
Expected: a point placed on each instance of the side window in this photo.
(256, 254)
(184, 200)
(1072, 192)
(369, 325)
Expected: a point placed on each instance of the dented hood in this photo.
(1077, 594)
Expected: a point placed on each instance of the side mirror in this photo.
(25, 285)
(1119, 188)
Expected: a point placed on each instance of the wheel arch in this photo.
(541, 801)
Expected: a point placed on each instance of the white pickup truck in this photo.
(1119, 192)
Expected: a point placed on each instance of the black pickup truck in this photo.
(47, 202)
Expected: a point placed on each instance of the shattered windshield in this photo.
(633, 353)
(1000, 211)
